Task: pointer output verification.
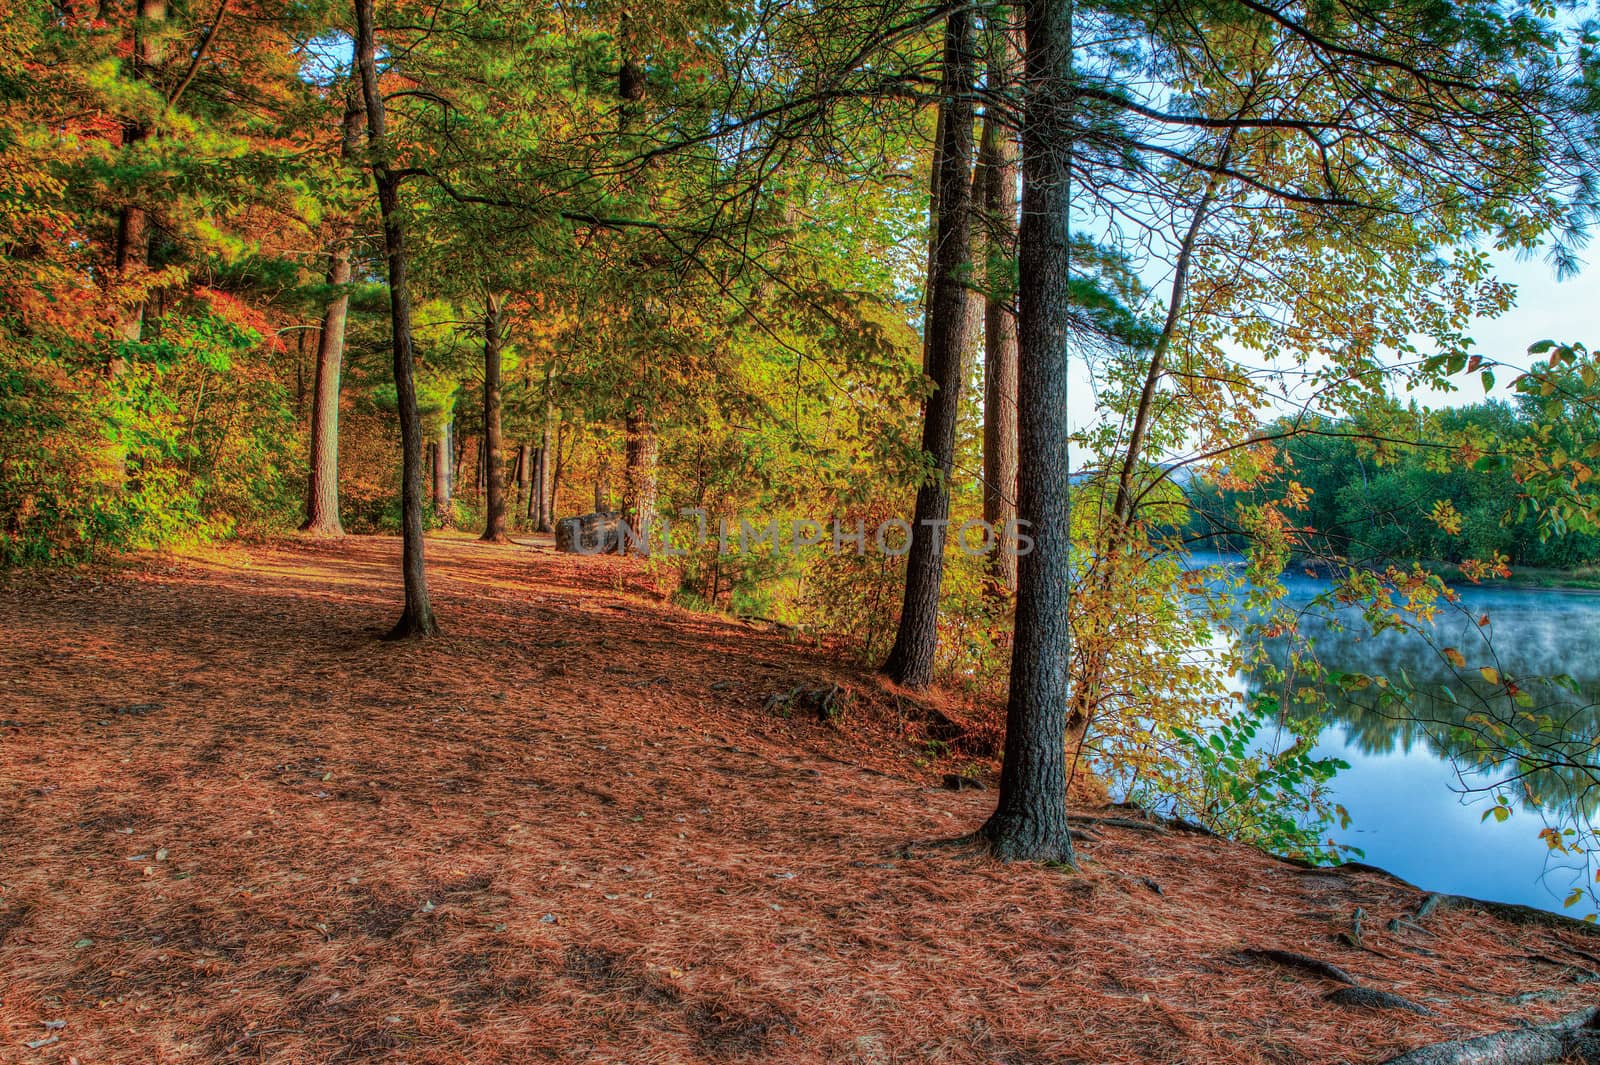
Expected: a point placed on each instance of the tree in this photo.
(133, 219)
(322, 492)
(1030, 818)
(997, 161)
(911, 660)
(642, 454)
(494, 530)
(416, 619)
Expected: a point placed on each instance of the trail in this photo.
(236, 826)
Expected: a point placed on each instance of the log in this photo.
(1575, 1037)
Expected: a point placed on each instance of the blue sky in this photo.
(1546, 309)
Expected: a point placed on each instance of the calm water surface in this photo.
(1409, 788)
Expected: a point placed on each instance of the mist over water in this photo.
(1417, 786)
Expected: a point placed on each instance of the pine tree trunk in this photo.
(494, 529)
(442, 456)
(300, 373)
(417, 618)
(547, 497)
(639, 508)
(998, 161)
(322, 492)
(478, 479)
(132, 250)
(525, 456)
(556, 464)
(535, 502)
(910, 662)
(1030, 820)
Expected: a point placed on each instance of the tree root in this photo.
(1373, 999)
(1575, 1037)
(973, 845)
(1353, 994)
(1509, 912)
(1122, 822)
(1305, 963)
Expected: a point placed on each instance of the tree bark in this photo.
(556, 469)
(322, 491)
(910, 662)
(1570, 1038)
(525, 456)
(441, 473)
(132, 249)
(479, 481)
(494, 529)
(997, 159)
(643, 449)
(417, 617)
(536, 505)
(547, 496)
(1030, 819)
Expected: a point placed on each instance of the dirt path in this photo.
(234, 826)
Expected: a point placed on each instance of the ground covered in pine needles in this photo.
(236, 826)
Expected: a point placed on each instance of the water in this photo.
(1414, 786)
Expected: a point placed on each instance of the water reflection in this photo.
(1428, 750)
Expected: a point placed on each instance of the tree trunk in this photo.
(547, 497)
(441, 474)
(525, 456)
(997, 159)
(132, 251)
(643, 449)
(417, 618)
(537, 505)
(556, 468)
(1030, 819)
(322, 493)
(539, 509)
(494, 529)
(910, 662)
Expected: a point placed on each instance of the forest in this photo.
(956, 387)
(1374, 501)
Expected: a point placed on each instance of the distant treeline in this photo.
(1403, 483)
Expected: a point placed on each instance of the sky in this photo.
(1546, 309)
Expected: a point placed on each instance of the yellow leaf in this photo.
(1490, 674)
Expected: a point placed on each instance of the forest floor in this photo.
(237, 826)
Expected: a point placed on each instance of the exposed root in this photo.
(1575, 1037)
(1373, 999)
(1303, 962)
(1124, 822)
(413, 626)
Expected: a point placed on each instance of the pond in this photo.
(1415, 790)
